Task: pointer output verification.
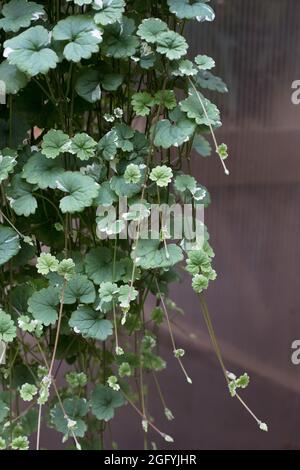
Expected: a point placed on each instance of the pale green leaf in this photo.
(54, 143)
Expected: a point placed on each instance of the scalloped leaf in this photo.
(20, 197)
(119, 39)
(54, 143)
(91, 324)
(79, 289)
(172, 45)
(13, 78)
(43, 305)
(109, 12)
(193, 108)
(150, 28)
(104, 402)
(80, 35)
(30, 51)
(19, 14)
(81, 191)
(189, 9)
(42, 171)
(148, 255)
(9, 244)
(8, 160)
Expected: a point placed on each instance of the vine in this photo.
(103, 105)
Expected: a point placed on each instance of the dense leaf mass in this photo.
(102, 103)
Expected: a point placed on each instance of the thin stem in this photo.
(210, 126)
(171, 334)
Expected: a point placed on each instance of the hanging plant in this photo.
(102, 104)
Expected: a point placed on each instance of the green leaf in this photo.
(185, 183)
(142, 103)
(13, 78)
(19, 14)
(107, 146)
(168, 134)
(200, 283)
(81, 35)
(83, 146)
(184, 68)
(42, 305)
(126, 295)
(209, 81)
(125, 135)
(106, 196)
(108, 291)
(150, 28)
(46, 263)
(81, 191)
(190, 9)
(88, 85)
(8, 160)
(8, 330)
(42, 171)
(204, 62)
(70, 422)
(91, 324)
(166, 99)
(99, 266)
(4, 411)
(9, 244)
(66, 269)
(20, 197)
(28, 391)
(132, 174)
(20, 443)
(161, 175)
(54, 143)
(108, 11)
(172, 45)
(193, 108)
(104, 402)
(79, 289)
(30, 51)
(124, 189)
(202, 146)
(148, 255)
(119, 40)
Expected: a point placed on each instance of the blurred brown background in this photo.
(254, 226)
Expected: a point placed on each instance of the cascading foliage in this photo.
(101, 103)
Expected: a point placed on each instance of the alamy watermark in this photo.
(295, 357)
(2, 92)
(2, 353)
(296, 93)
(184, 222)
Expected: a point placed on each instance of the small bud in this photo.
(263, 427)
(168, 438)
